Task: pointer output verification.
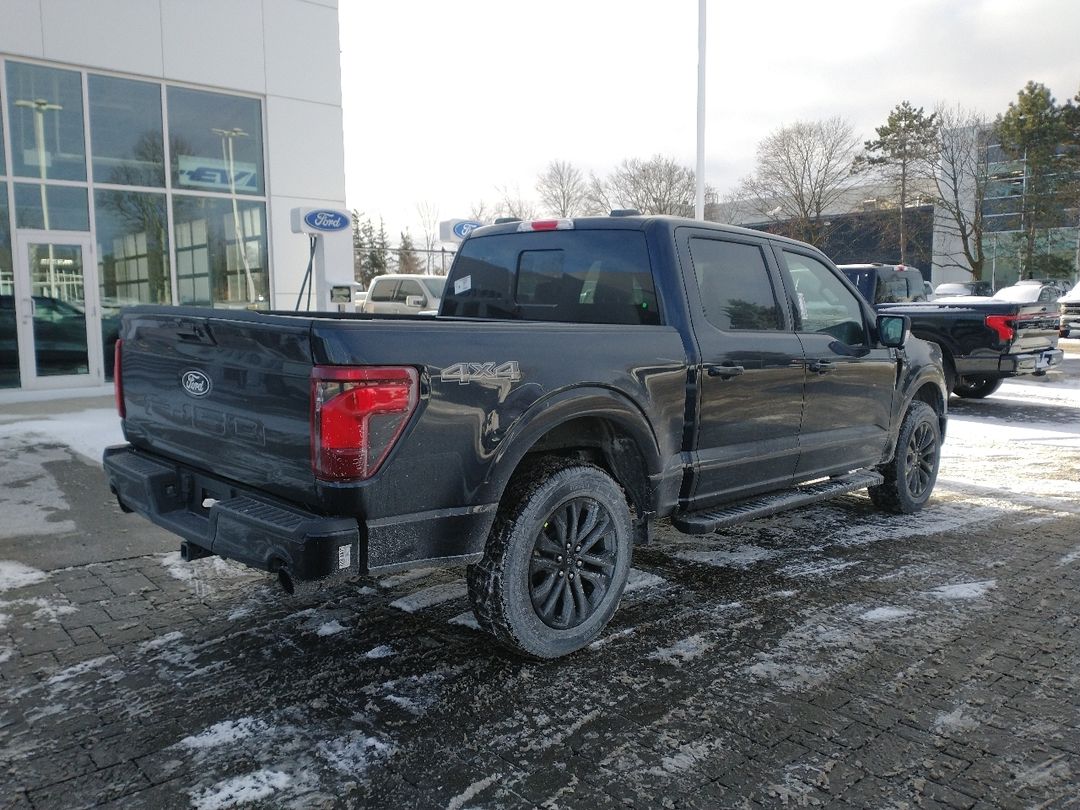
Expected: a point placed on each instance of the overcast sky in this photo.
(445, 102)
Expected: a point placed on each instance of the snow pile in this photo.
(330, 628)
(681, 651)
(251, 787)
(963, 590)
(886, 614)
(741, 557)
(640, 580)
(226, 732)
(431, 596)
(382, 651)
(87, 432)
(16, 575)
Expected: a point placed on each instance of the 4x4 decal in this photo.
(464, 373)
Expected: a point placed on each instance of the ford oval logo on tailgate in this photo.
(195, 383)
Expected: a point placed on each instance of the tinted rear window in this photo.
(577, 276)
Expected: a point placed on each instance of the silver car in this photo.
(401, 294)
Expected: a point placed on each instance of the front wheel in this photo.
(976, 387)
(556, 561)
(910, 476)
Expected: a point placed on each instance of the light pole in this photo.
(227, 136)
(41, 106)
(699, 192)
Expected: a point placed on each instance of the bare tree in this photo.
(802, 172)
(597, 198)
(562, 189)
(482, 211)
(512, 204)
(655, 186)
(429, 221)
(958, 172)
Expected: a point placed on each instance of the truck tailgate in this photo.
(227, 391)
(1035, 327)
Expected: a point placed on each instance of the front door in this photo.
(850, 380)
(56, 310)
(750, 372)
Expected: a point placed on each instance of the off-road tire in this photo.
(976, 387)
(906, 490)
(500, 585)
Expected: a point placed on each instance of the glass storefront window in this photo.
(51, 208)
(215, 141)
(221, 252)
(133, 257)
(45, 115)
(125, 132)
(3, 151)
(9, 339)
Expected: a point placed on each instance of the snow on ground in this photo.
(887, 614)
(30, 497)
(239, 790)
(641, 580)
(227, 732)
(433, 595)
(87, 432)
(963, 590)
(741, 557)
(16, 575)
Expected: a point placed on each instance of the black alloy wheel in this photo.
(922, 460)
(573, 558)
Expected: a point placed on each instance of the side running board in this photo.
(710, 520)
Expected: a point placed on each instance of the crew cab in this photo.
(583, 379)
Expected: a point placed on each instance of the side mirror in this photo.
(417, 301)
(893, 330)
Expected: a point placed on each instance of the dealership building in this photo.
(152, 152)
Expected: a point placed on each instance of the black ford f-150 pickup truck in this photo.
(583, 379)
(983, 340)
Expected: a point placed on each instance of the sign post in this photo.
(332, 265)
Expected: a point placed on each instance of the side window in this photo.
(406, 289)
(733, 280)
(824, 304)
(382, 290)
(1047, 294)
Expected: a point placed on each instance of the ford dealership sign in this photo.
(452, 231)
(464, 228)
(326, 220)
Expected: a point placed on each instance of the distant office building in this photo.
(151, 152)
(1006, 187)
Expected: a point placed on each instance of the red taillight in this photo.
(118, 380)
(357, 414)
(1003, 325)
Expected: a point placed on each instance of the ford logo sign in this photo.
(465, 227)
(326, 220)
(195, 383)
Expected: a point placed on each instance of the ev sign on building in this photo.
(454, 230)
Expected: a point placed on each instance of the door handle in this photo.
(820, 366)
(725, 372)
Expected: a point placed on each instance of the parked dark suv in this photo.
(886, 283)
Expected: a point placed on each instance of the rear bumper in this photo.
(252, 529)
(1009, 365)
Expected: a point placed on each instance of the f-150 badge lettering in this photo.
(464, 373)
(195, 383)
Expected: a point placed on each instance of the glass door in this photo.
(56, 309)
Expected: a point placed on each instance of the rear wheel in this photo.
(556, 561)
(976, 387)
(912, 473)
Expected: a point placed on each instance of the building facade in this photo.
(151, 152)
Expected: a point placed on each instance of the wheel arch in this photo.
(596, 424)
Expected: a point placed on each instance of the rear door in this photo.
(850, 381)
(750, 371)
